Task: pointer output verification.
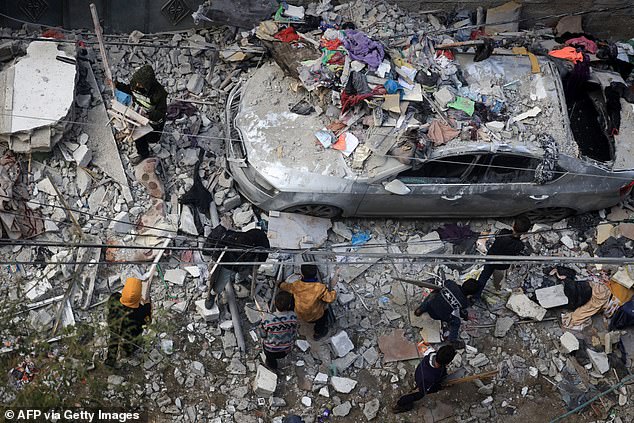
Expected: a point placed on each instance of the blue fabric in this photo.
(392, 86)
(123, 98)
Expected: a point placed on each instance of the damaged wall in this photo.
(168, 15)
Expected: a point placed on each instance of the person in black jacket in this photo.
(506, 243)
(429, 375)
(151, 98)
(126, 318)
(449, 304)
(253, 245)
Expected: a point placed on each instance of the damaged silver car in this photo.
(534, 164)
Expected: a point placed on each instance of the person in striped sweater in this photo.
(278, 330)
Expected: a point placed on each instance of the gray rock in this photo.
(599, 360)
(195, 84)
(343, 385)
(236, 367)
(371, 409)
(342, 410)
(197, 368)
(341, 344)
(502, 326)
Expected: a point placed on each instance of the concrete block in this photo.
(569, 342)
(265, 382)
(502, 326)
(82, 156)
(550, 297)
(341, 344)
(45, 185)
(428, 244)
(524, 307)
(176, 276)
(343, 385)
(209, 315)
(599, 360)
(195, 84)
(121, 223)
(342, 410)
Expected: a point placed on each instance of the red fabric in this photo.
(589, 45)
(53, 33)
(447, 53)
(567, 53)
(348, 101)
(337, 59)
(287, 35)
(331, 44)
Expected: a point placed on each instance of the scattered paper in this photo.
(392, 103)
(383, 69)
(415, 94)
(325, 137)
(406, 77)
(346, 143)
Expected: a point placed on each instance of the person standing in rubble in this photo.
(278, 330)
(429, 375)
(151, 98)
(507, 243)
(127, 314)
(449, 304)
(311, 299)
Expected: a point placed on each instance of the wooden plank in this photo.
(102, 49)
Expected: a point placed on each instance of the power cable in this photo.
(384, 259)
(422, 160)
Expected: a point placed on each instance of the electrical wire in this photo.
(555, 172)
(247, 247)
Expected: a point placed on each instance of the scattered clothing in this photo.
(589, 45)
(623, 317)
(360, 47)
(577, 292)
(580, 318)
(440, 133)
(179, 109)
(287, 35)
(567, 53)
(505, 244)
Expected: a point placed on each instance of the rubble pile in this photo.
(548, 349)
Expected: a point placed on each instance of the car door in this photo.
(436, 189)
(503, 184)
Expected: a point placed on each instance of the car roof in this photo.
(282, 144)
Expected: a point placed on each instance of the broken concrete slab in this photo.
(569, 342)
(294, 231)
(342, 410)
(430, 328)
(396, 347)
(341, 344)
(39, 90)
(524, 307)
(82, 156)
(622, 277)
(552, 296)
(208, 314)
(265, 382)
(101, 140)
(604, 232)
(502, 326)
(343, 385)
(187, 224)
(175, 276)
(121, 223)
(508, 12)
(429, 244)
(599, 360)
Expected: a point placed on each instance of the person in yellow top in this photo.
(311, 299)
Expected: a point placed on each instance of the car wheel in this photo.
(548, 214)
(317, 210)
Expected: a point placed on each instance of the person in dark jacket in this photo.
(126, 318)
(253, 245)
(151, 98)
(429, 375)
(449, 304)
(507, 243)
(279, 330)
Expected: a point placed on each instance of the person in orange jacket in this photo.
(311, 299)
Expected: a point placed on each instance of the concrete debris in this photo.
(599, 360)
(290, 230)
(265, 382)
(175, 276)
(209, 315)
(82, 156)
(552, 296)
(502, 326)
(342, 410)
(569, 342)
(341, 344)
(524, 307)
(371, 409)
(343, 385)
